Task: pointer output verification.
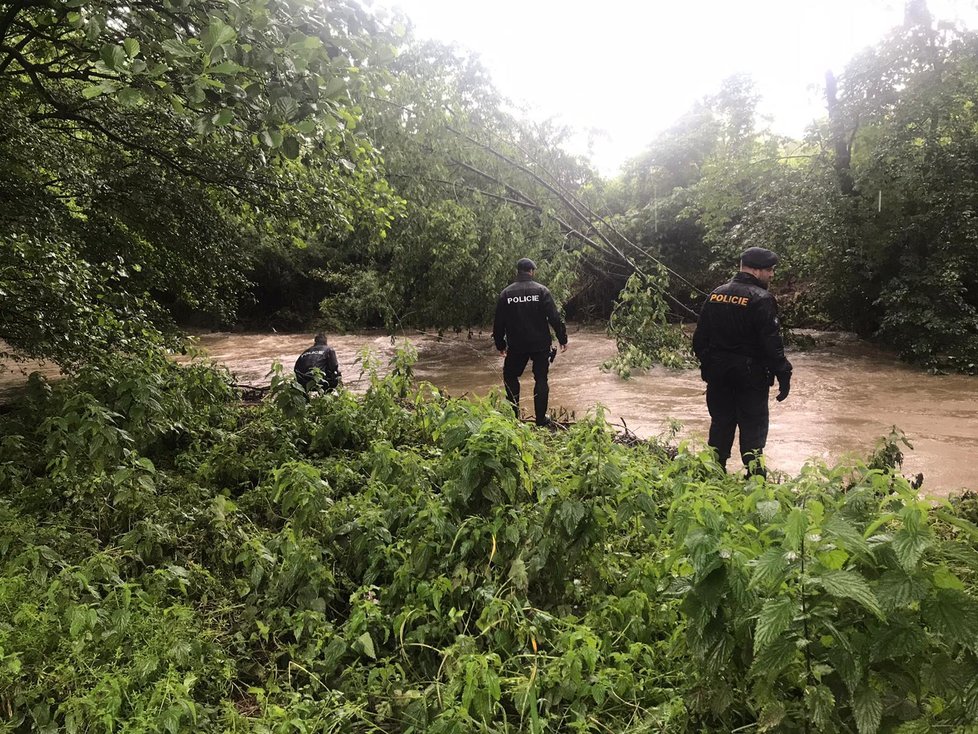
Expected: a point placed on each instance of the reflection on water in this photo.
(843, 397)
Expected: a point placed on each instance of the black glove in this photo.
(784, 385)
(553, 354)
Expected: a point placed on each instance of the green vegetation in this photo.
(872, 211)
(149, 150)
(171, 560)
(201, 162)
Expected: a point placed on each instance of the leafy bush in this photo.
(641, 330)
(402, 562)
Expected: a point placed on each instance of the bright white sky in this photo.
(627, 69)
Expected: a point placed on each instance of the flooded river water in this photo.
(844, 396)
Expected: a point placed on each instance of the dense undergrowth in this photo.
(172, 561)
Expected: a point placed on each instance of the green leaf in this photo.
(334, 653)
(93, 91)
(226, 67)
(365, 644)
(867, 709)
(969, 698)
(909, 546)
(849, 585)
(775, 618)
(920, 726)
(290, 147)
(302, 41)
(795, 527)
(333, 87)
(571, 512)
(771, 716)
(770, 568)
(844, 535)
(222, 118)
(517, 574)
(773, 659)
(833, 559)
(271, 138)
(816, 512)
(767, 509)
(820, 702)
(896, 589)
(898, 641)
(285, 107)
(130, 97)
(112, 55)
(131, 46)
(384, 56)
(850, 668)
(944, 578)
(954, 615)
(217, 34)
(175, 48)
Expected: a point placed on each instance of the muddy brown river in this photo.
(844, 395)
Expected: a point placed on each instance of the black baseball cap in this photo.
(525, 265)
(758, 257)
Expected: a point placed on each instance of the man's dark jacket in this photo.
(525, 312)
(319, 356)
(739, 324)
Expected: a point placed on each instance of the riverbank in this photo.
(845, 396)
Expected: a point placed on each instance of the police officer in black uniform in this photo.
(319, 356)
(738, 343)
(525, 312)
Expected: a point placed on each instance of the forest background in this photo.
(206, 164)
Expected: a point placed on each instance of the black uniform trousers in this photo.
(513, 367)
(737, 397)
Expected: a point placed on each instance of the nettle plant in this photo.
(399, 561)
(834, 603)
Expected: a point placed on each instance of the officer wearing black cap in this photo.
(738, 343)
(525, 312)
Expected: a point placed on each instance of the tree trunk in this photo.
(841, 142)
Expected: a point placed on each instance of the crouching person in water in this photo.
(738, 343)
(321, 357)
(525, 312)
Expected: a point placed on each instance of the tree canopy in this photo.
(873, 212)
(202, 162)
(149, 148)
